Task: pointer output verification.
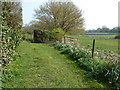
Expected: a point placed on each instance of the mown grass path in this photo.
(41, 66)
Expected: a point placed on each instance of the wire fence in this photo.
(102, 54)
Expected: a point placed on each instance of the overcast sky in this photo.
(97, 13)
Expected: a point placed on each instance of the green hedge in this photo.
(43, 36)
(117, 37)
(9, 41)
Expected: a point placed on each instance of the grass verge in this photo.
(41, 66)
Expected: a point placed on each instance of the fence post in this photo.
(93, 48)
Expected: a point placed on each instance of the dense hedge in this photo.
(9, 41)
(97, 68)
(117, 37)
(42, 36)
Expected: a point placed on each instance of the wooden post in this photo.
(93, 48)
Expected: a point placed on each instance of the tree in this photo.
(64, 15)
(58, 33)
(29, 28)
(12, 14)
(105, 29)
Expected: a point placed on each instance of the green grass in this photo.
(102, 41)
(41, 66)
(27, 37)
(103, 33)
(101, 36)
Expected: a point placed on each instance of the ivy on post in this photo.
(93, 48)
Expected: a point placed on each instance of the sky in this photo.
(96, 13)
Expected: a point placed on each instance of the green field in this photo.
(103, 42)
(103, 33)
(41, 66)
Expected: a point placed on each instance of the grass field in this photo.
(103, 33)
(41, 66)
(103, 42)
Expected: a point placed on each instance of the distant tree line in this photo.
(104, 29)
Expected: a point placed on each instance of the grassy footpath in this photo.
(41, 66)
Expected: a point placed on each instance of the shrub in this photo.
(43, 36)
(58, 33)
(117, 37)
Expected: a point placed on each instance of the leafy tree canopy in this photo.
(64, 15)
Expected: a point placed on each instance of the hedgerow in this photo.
(96, 68)
(42, 36)
(10, 40)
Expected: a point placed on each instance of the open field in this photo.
(99, 35)
(103, 42)
(103, 33)
(41, 66)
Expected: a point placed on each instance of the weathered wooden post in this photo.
(93, 48)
